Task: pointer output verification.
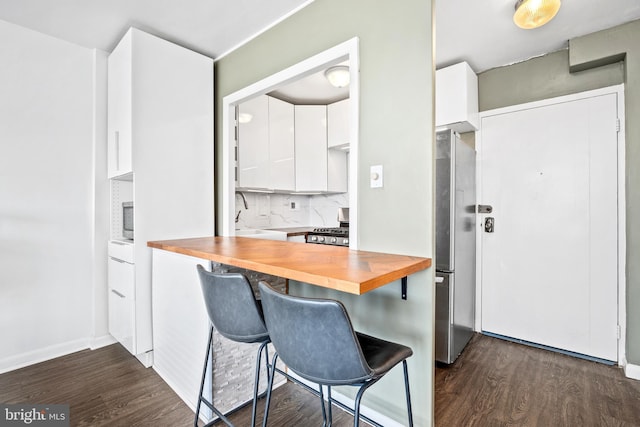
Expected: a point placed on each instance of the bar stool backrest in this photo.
(232, 306)
(314, 338)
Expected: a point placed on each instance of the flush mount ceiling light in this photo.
(338, 76)
(535, 13)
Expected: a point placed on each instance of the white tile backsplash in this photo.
(287, 210)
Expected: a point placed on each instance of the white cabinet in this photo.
(457, 98)
(311, 148)
(167, 108)
(338, 124)
(119, 160)
(337, 167)
(283, 148)
(121, 301)
(281, 145)
(266, 145)
(338, 132)
(253, 143)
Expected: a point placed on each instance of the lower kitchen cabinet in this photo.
(122, 302)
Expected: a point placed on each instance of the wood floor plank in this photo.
(500, 383)
(109, 387)
(493, 383)
(104, 387)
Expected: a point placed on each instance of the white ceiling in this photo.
(480, 32)
(211, 27)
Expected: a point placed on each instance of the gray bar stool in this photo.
(237, 315)
(316, 340)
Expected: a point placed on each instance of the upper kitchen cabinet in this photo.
(281, 145)
(457, 98)
(253, 143)
(283, 148)
(265, 145)
(161, 158)
(119, 108)
(311, 148)
(338, 124)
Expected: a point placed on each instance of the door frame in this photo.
(622, 243)
(347, 50)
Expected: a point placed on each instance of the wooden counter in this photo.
(332, 267)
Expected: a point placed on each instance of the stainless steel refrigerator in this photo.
(455, 245)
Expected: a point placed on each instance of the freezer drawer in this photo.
(452, 328)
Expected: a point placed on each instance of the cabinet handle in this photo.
(118, 293)
(117, 150)
(115, 242)
(117, 260)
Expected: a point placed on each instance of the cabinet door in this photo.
(311, 147)
(253, 143)
(457, 98)
(337, 171)
(281, 145)
(338, 124)
(121, 302)
(119, 109)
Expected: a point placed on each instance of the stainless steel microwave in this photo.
(127, 220)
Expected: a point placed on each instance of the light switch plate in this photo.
(376, 176)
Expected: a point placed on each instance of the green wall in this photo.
(396, 131)
(541, 78)
(600, 59)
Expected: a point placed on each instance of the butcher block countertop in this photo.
(328, 266)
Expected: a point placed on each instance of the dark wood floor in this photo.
(109, 387)
(499, 383)
(493, 383)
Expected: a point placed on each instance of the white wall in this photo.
(47, 190)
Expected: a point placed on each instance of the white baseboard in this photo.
(632, 371)
(18, 361)
(103, 341)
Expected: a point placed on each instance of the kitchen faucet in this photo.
(246, 206)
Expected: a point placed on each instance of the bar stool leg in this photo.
(204, 375)
(269, 388)
(256, 382)
(406, 386)
(324, 413)
(329, 403)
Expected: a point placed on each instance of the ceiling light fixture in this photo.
(535, 13)
(338, 76)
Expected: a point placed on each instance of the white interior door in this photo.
(550, 267)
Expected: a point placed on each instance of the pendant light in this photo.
(535, 13)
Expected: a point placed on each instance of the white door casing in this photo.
(550, 272)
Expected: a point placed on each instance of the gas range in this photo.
(336, 236)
